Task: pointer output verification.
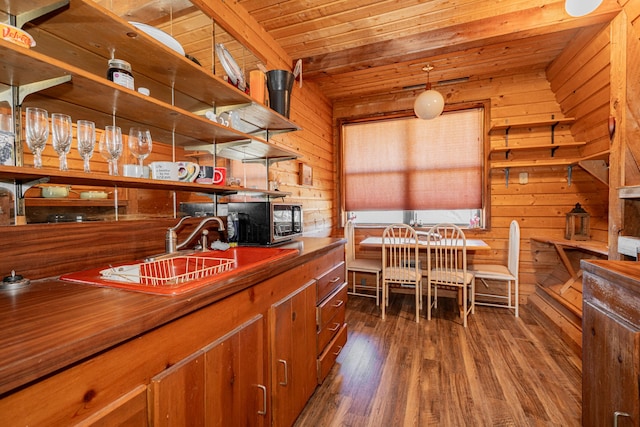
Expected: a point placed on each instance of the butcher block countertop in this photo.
(52, 324)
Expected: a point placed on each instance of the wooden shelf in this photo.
(66, 72)
(552, 147)
(25, 175)
(96, 99)
(533, 163)
(69, 202)
(536, 123)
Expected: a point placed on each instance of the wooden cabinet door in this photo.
(293, 356)
(610, 369)
(236, 392)
(129, 410)
(176, 395)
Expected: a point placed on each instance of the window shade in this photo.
(414, 164)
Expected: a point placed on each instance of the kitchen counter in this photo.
(52, 324)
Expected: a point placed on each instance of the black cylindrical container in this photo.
(279, 84)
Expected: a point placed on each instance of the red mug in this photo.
(211, 175)
(220, 176)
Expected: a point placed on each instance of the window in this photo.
(412, 170)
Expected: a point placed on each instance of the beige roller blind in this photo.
(414, 164)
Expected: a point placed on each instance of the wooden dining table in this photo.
(472, 244)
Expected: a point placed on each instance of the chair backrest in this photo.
(514, 248)
(448, 253)
(350, 247)
(400, 262)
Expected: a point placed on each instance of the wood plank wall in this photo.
(539, 206)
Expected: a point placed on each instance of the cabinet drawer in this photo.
(330, 316)
(327, 333)
(333, 304)
(330, 281)
(328, 358)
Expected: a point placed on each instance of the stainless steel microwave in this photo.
(265, 223)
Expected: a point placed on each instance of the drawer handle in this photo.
(338, 352)
(335, 328)
(264, 399)
(286, 373)
(618, 414)
(335, 279)
(338, 303)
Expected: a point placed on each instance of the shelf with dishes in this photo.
(186, 85)
(26, 177)
(66, 72)
(48, 82)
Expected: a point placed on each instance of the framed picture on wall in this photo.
(306, 174)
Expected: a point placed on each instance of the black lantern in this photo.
(577, 224)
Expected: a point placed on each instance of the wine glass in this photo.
(62, 131)
(111, 147)
(86, 135)
(140, 144)
(102, 147)
(37, 130)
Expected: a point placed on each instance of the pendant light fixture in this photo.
(430, 103)
(581, 7)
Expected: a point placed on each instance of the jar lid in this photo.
(120, 64)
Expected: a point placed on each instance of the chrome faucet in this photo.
(171, 240)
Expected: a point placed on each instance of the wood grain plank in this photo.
(499, 371)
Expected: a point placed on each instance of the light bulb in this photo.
(581, 7)
(429, 104)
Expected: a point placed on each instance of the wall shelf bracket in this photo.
(569, 174)
(506, 177)
(30, 88)
(23, 17)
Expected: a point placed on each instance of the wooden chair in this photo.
(400, 264)
(447, 268)
(504, 273)
(360, 265)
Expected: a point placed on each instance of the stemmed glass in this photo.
(86, 135)
(111, 147)
(62, 135)
(140, 144)
(37, 130)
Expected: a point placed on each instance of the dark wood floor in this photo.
(500, 371)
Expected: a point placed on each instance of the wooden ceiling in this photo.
(356, 48)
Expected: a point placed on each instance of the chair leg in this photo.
(473, 296)
(464, 305)
(517, 297)
(428, 300)
(377, 289)
(384, 298)
(417, 303)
